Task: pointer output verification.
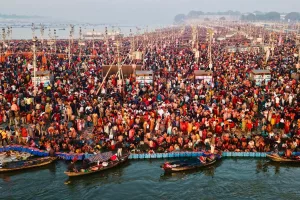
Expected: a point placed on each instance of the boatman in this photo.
(119, 146)
(202, 159)
(288, 152)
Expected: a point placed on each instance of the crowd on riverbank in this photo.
(176, 113)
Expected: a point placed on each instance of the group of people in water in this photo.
(84, 111)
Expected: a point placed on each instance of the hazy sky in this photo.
(137, 12)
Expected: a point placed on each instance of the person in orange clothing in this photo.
(4, 137)
(24, 134)
(189, 127)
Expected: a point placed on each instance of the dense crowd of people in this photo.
(175, 113)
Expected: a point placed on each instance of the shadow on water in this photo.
(207, 171)
(51, 167)
(266, 165)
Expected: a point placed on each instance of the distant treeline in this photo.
(255, 16)
(270, 16)
(196, 14)
(14, 16)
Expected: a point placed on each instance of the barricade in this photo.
(81, 156)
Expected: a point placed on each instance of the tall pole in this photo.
(132, 42)
(72, 32)
(34, 40)
(42, 34)
(8, 36)
(50, 40)
(298, 43)
(106, 38)
(272, 44)
(3, 38)
(70, 48)
(210, 32)
(3, 42)
(119, 68)
(55, 40)
(93, 34)
(79, 43)
(33, 30)
(0, 53)
(299, 53)
(10, 33)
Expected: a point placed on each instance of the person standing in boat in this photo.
(119, 146)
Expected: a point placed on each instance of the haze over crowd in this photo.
(137, 12)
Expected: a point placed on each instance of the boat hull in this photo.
(185, 168)
(277, 158)
(111, 165)
(45, 161)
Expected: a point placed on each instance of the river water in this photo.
(229, 179)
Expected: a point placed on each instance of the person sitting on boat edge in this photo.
(8, 154)
(202, 159)
(114, 157)
(72, 167)
(288, 152)
(52, 152)
(85, 164)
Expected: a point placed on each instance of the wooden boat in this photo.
(184, 165)
(277, 158)
(13, 156)
(95, 168)
(26, 164)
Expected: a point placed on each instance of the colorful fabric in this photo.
(101, 157)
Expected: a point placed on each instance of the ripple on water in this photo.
(142, 180)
